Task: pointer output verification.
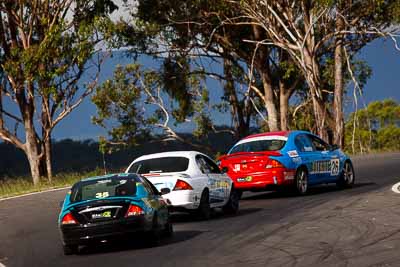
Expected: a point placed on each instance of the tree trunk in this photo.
(262, 64)
(338, 134)
(319, 115)
(48, 158)
(237, 112)
(313, 80)
(45, 167)
(283, 107)
(270, 103)
(32, 152)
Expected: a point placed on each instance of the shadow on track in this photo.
(136, 244)
(217, 214)
(315, 190)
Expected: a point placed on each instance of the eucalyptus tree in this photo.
(383, 117)
(46, 47)
(202, 31)
(308, 30)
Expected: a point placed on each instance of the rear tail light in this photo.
(134, 210)
(68, 219)
(182, 185)
(274, 164)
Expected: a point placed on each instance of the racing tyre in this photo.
(70, 249)
(347, 177)
(168, 230)
(232, 206)
(301, 181)
(239, 193)
(154, 235)
(204, 209)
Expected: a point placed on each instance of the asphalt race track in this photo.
(328, 227)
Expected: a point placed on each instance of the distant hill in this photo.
(76, 156)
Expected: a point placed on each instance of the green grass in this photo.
(22, 185)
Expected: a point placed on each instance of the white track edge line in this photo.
(395, 188)
(34, 193)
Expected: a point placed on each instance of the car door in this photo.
(156, 201)
(206, 171)
(326, 165)
(309, 157)
(218, 186)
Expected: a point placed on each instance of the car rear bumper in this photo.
(263, 180)
(182, 199)
(87, 233)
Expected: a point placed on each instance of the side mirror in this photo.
(334, 147)
(224, 170)
(164, 191)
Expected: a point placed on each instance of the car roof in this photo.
(107, 176)
(280, 133)
(277, 133)
(186, 154)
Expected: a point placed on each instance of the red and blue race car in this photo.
(296, 159)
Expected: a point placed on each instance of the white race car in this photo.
(189, 181)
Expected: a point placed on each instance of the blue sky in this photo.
(384, 83)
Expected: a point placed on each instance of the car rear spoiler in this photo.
(253, 154)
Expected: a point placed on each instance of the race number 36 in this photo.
(335, 167)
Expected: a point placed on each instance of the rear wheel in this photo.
(204, 209)
(154, 235)
(301, 181)
(232, 206)
(70, 249)
(168, 230)
(347, 177)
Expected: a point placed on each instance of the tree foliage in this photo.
(376, 127)
(45, 49)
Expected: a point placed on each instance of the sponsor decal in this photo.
(245, 179)
(308, 149)
(326, 166)
(297, 160)
(293, 153)
(236, 167)
(106, 214)
(335, 167)
(219, 189)
(289, 175)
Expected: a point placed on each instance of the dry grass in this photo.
(22, 185)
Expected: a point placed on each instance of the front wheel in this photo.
(232, 206)
(301, 182)
(347, 177)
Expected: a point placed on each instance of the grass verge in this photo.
(22, 185)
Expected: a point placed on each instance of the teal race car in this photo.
(113, 206)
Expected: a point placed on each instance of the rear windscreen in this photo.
(258, 146)
(167, 164)
(103, 188)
